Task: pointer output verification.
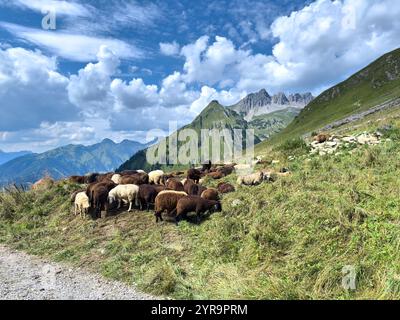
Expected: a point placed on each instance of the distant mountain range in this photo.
(8, 156)
(260, 103)
(68, 160)
(259, 111)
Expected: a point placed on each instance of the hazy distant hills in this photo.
(8, 156)
(68, 160)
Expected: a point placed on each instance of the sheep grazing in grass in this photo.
(174, 184)
(210, 194)
(81, 204)
(225, 188)
(194, 175)
(190, 187)
(128, 193)
(251, 179)
(322, 137)
(100, 200)
(77, 179)
(108, 184)
(147, 195)
(216, 175)
(195, 204)
(73, 195)
(226, 170)
(138, 179)
(167, 201)
(156, 177)
(116, 178)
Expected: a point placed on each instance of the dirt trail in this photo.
(26, 277)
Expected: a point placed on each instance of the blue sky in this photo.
(118, 69)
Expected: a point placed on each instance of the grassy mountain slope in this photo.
(267, 125)
(375, 84)
(286, 240)
(68, 160)
(214, 116)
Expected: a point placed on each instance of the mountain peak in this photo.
(280, 98)
(260, 103)
(107, 141)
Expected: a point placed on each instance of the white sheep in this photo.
(141, 171)
(116, 178)
(81, 204)
(127, 192)
(156, 177)
(251, 179)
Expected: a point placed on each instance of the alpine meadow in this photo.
(217, 150)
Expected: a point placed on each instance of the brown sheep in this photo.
(128, 173)
(91, 177)
(77, 179)
(104, 177)
(226, 170)
(189, 185)
(200, 190)
(138, 179)
(194, 175)
(210, 194)
(167, 201)
(216, 175)
(322, 137)
(100, 200)
(108, 184)
(174, 184)
(196, 204)
(147, 196)
(159, 188)
(225, 188)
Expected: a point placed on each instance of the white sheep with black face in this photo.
(124, 193)
(82, 204)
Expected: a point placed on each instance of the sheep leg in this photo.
(75, 210)
(130, 206)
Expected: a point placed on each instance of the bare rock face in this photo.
(262, 103)
(281, 99)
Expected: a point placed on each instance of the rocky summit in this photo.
(262, 102)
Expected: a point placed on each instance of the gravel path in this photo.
(30, 278)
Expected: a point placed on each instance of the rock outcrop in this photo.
(261, 103)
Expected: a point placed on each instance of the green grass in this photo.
(285, 240)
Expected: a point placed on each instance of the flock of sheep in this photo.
(165, 192)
